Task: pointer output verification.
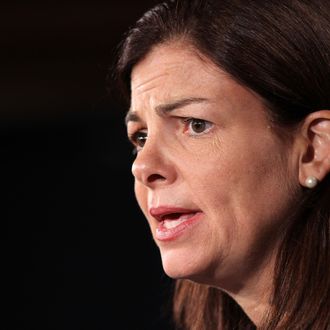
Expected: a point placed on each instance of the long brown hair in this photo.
(280, 50)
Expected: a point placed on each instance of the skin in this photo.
(229, 165)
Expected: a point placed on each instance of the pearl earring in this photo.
(311, 182)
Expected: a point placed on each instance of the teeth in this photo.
(168, 224)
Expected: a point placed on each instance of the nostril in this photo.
(155, 177)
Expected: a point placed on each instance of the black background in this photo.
(77, 252)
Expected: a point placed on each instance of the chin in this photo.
(180, 265)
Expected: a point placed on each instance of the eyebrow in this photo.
(163, 109)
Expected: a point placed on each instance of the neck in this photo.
(256, 307)
(255, 295)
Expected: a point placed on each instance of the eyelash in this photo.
(141, 134)
(190, 120)
(134, 138)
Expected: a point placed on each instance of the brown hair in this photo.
(280, 50)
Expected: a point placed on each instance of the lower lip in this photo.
(169, 234)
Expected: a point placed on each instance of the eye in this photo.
(138, 139)
(195, 126)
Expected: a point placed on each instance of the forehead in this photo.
(176, 63)
(174, 72)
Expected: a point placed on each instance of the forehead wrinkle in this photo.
(147, 82)
(162, 109)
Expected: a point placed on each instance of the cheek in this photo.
(240, 180)
(141, 195)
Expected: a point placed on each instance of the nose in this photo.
(152, 166)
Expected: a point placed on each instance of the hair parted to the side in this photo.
(280, 50)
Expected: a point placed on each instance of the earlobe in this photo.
(315, 161)
(311, 182)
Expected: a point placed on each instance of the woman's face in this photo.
(210, 174)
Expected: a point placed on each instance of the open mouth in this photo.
(173, 220)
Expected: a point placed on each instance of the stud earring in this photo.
(311, 182)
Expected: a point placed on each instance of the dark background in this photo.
(76, 250)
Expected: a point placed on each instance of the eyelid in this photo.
(135, 140)
(189, 120)
(133, 128)
(133, 136)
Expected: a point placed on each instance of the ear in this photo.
(315, 149)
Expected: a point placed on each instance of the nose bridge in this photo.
(151, 165)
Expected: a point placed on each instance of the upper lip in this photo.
(160, 212)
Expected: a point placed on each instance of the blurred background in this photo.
(76, 250)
